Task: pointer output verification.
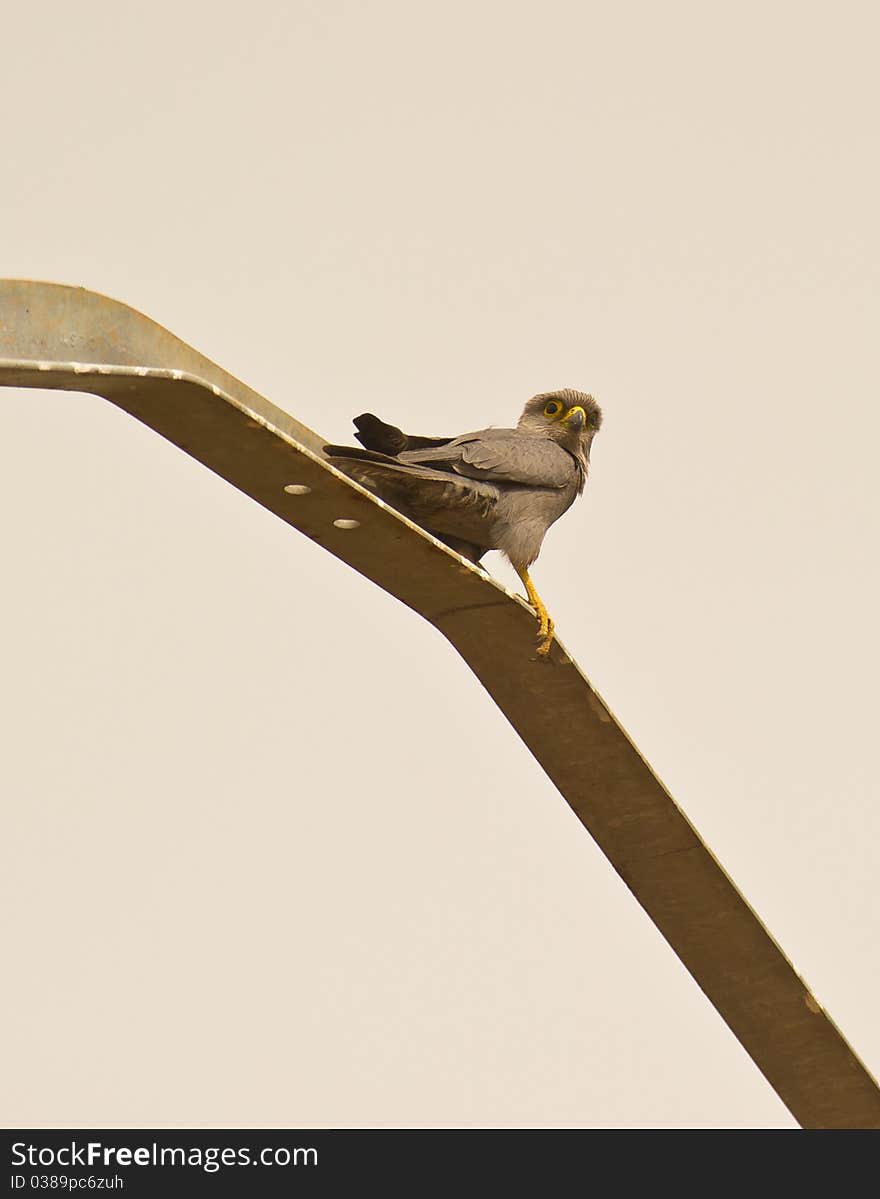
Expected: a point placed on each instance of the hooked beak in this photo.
(576, 418)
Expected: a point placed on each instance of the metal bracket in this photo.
(52, 336)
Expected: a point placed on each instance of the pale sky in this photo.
(272, 857)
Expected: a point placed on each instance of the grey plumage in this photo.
(495, 489)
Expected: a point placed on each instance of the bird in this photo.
(495, 489)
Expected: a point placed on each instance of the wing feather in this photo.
(502, 456)
(420, 492)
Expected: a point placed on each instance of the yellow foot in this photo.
(545, 634)
(545, 624)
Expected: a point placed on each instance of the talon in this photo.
(545, 636)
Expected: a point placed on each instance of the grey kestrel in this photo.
(496, 489)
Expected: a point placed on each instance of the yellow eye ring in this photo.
(552, 408)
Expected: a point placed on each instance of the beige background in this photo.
(222, 905)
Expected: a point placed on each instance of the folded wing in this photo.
(457, 508)
(501, 456)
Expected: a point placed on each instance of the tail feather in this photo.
(375, 434)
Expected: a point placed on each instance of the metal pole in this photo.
(53, 336)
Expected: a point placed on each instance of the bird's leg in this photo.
(545, 631)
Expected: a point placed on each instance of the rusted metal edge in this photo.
(52, 336)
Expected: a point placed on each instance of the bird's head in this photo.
(570, 417)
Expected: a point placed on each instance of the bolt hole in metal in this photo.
(304, 489)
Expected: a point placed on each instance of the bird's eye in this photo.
(552, 408)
